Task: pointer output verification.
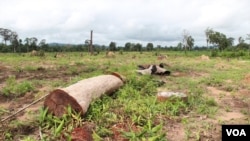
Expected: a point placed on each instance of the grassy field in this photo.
(218, 91)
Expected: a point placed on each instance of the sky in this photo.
(160, 22)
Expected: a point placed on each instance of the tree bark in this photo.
(81, 94)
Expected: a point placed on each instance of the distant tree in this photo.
(14, 41)
(33, 43)
(127, 46)
(219, 39)
(103, 47)
(179, 46)
(6, 34)
(188, 41)
(21, 46)
(42, 44)
(241, 40)
(248, 37)
(150, 46)
(230, 41)
(158, 47)
(241, 43)
(184, 40)
(112, 46)
(27, 44)
(138, 47)
(208, 32)
(132, 47)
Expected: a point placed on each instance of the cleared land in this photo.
(218, 92)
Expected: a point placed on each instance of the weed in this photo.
(176, 107)
(28, 138)
(211, 102)
(16, 89)
(29, 68)
(59, 126)
(205, 109)
(212, 81)
(228, 109)
(103, 131)
(245, 111)
(3, 110)
(149, 132)
(96, 137)
(8, 136)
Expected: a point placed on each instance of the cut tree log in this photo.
(81, 94)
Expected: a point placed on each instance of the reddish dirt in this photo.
(247, 78)
(233, 107)
(118, 128)
(81, 134)
(175, 131)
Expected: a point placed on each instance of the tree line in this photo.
(12, 43)
(214, 39)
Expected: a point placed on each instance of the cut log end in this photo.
(57, 102)
(81, 94)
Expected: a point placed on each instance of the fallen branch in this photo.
(34, 102)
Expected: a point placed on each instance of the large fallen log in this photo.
(80, 94)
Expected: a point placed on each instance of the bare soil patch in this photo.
(247, 78)
(175, 131)
(232, 105)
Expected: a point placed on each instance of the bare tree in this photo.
(185, 39)
(14, 40)
(248, 37)
(241, 40)
(208, 32)
(188, 41)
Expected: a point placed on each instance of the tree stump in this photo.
(81, 94)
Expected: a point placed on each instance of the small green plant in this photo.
(148, 132)
(121, 51)
(3, 110)
(8, 136)
(59, 125)
(175, 106)
(13, 88)
(214, 53)
(29, 68)
(28, 138)
(211, 102)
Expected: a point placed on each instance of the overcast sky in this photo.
(160, 22)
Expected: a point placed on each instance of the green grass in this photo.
(135, 104)
(13, 88)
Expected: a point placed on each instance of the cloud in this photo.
(160, 22)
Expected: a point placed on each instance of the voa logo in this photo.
(236, 132)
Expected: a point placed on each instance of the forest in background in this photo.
(216, 42)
